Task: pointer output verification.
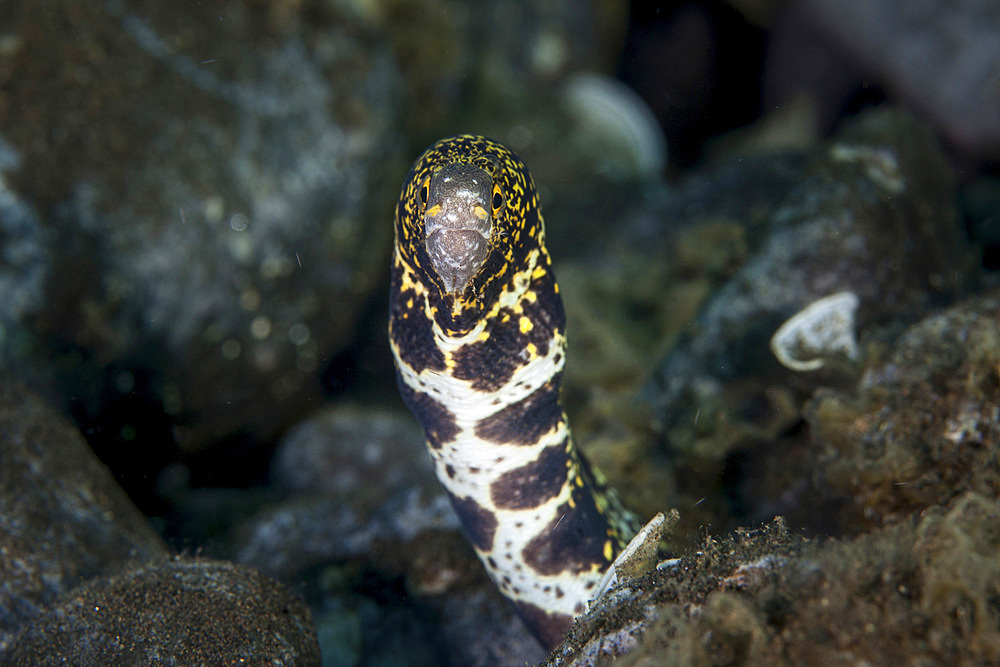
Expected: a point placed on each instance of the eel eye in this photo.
(425, 190)
(497, 200)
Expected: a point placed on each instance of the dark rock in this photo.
(62, 517)
(478, 631)
(24, 263)
(365, 521)
(87, 581)
(352, 477)
(349, 452)
(207, 180)
(980, 202)
(932, 56)
(936, 55)
(179, 611)
(633, 288)
(873, 215)
(805, 66)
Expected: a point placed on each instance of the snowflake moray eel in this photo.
(477, 331)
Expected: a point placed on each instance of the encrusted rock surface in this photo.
(918, 591)
(901, 471)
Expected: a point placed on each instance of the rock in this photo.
(24, 263)
(87, 581)
(479, 631)
(909, 454)
(938, 56)
(63, 519)
(364, 522)
(702, 274)
(635, 286)
(911, 593)
(350, 478)
(208, 180)
(176, 612)
(980, 206)
(685, 599)
(922, 424)
(349, 451)
(873, 215)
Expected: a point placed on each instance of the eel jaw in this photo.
(457, 223)
(456, 256)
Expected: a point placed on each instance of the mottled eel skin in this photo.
(477, 330)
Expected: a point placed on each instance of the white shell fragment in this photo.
(821, 330)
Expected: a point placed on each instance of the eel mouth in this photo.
(457, 254)
(457, 223)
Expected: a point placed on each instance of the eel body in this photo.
(477, 331)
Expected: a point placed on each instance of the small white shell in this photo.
(823, 329)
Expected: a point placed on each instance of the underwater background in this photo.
(776, 227)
